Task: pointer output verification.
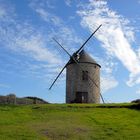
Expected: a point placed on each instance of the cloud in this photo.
(33, 43)
(36, 47)
(108, 65)
(138, 91)
(65, 34)
(26, 40)
(48, 17)
(133, 80)
(107, 83)
(49, 4)
(68, 2)
(22, 38)
(7, 12)
(115, 34)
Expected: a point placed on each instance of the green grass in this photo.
(69, 122)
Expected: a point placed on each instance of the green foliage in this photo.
(69, 122)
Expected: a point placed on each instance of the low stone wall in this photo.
(9, 99)
(12, 99)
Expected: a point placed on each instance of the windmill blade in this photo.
(98, 87)
(73, 58)
(62, 47)
(102, 98)
(58, 76)
(87, 40)
(63, 67)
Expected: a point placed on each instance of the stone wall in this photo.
(9, 99)
(12, 99)
(74, 82)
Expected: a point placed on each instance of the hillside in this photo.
(70, 122)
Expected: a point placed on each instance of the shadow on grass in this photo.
(135, 106)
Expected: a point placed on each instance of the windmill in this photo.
(82, 76)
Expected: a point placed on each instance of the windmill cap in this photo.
(86, 58)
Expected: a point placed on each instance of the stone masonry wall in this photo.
(74, 82)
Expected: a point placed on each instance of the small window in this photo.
(85, 75)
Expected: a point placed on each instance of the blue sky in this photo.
(30, 59)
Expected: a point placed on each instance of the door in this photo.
(81, 97)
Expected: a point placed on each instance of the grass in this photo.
(70, 122)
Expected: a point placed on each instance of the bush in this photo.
(136, 101)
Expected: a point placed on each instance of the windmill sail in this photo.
(58, 76)
(74, 59)
(87, 40)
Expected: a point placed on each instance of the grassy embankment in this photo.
(69, 122)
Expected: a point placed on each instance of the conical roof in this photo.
(86, 58)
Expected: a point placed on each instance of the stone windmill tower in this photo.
(82, 76)
(79, 80)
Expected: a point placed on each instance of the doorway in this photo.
(82, 97)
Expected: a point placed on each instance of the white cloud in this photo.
(48, 17)
(29, 42)
(133, 80)
(26, 40)
(7, 12)
(138, 52)
(138, 91)
(36, 47)
(41, 8)
(115, 34)
(68, 2)
(63, 33)
(49, 4)
(23, 38)
(108, 65)
(107, 83)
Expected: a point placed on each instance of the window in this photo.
(85, 75)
